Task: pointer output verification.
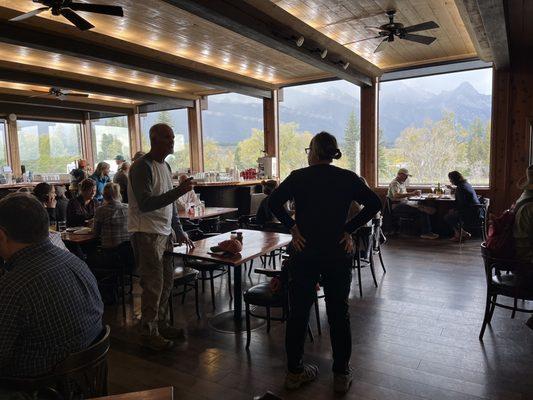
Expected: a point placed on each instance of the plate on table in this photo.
(74, 229)
(83, 231)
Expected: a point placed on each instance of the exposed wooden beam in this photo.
(25, 111)
(51, 42)
(254, 23)
(164, 106)
(54, 103)
(369, 134)
(196, 146)
(486, 24)
(31, 78)
(271, 126)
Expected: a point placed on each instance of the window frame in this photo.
(30, 118)
(482, 188)
(3, 121)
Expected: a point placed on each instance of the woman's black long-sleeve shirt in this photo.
(322, 194)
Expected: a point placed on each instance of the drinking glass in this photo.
(432, 188)
(62, 226)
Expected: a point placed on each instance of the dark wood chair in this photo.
(261, 295)
(378, 239)
(210, 225)
(504, 278)
(398, 220)
(209, 271)
(364, 253)
(479, 224)
(81, 375)
(185, 280)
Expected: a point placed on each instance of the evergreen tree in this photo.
(352, 138)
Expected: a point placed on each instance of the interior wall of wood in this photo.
(369, 133)
(196, 144)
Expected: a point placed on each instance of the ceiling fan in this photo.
(58, 93)
(391, 29)
(66, 8)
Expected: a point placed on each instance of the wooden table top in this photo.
(78, 239)
(246, 182)
(166, 393)
(255, 243)
(28, 184)
(209, 212)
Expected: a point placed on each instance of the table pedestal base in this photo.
(227, 323)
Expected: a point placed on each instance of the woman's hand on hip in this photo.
(298, 241)
(347, 240)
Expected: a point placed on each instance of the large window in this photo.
(233, 132)
(47, 146)
(110, 138)
(3, 147)
(308, 109)
(434, 125)
(180, 161)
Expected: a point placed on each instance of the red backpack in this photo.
(500, 240)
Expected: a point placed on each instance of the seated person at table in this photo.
(50, 306)
(121, 177)
(46, 194)
(61, 203)
(264, 215)
(76, 176)
(80, 210)
(101, 177)
(523, 225)
(465, 199)
(188, 199)
(401, 205)
(111, 224)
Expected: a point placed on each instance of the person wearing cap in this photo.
(321, 248)
(119, 159)
(399, 195)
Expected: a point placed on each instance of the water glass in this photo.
(62, 226)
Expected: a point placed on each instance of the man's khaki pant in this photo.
(157, 274)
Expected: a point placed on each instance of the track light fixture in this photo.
(323, 53)
(343, 64)
(299, 40)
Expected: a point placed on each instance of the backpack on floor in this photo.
(500, 240)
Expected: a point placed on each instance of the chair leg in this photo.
(212, 282)
(359, 274)
(486, 317)
(203, 275)
(515, 306)
(196, 298)
(251, 268)
(171, 309)
(268, 319)
(317, 314)
(381, 260)
(229, 284)
(248, 332)
(310, 333)
(494, 298)
(372, 269)
(184, 293)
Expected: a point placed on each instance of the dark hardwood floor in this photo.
(414, 337)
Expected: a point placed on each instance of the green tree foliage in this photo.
(351, 146)
(438, 147)
(110, 147)
(218, 157)
(249, 150)
(292, 146)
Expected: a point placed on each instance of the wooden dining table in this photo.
(166, 393)
(209, 212)
(255, 244)
(425, 197)
(75, 238)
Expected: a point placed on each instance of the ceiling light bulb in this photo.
(300, 41)
(324, 53)
(345, 65)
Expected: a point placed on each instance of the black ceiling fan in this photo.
(58, 93)
(66, 8)
(391, 29)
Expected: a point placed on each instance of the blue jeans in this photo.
(423, 218)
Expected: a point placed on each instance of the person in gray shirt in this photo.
(152, 218)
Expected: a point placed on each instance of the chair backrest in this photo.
(80, 375)
(210, 225)
(255, 201)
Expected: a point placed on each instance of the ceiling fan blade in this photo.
(97, 8)
(362, 40)
(377, 28)
(418, 38)
(80, 22)
(421, 27)
(76, 94)
(381, 46)
(30, 14)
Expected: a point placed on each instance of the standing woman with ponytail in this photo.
(321, 248)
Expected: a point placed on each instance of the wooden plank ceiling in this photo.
(347, 21)
(162, 32)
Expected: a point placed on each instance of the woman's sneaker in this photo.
(156, 342)
(342, 382)
(429, 236)
(294, 381)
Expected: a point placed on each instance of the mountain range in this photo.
(230, 118)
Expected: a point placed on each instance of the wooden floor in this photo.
(414, 337)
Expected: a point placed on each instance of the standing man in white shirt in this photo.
(399, 195)
(152, 217)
